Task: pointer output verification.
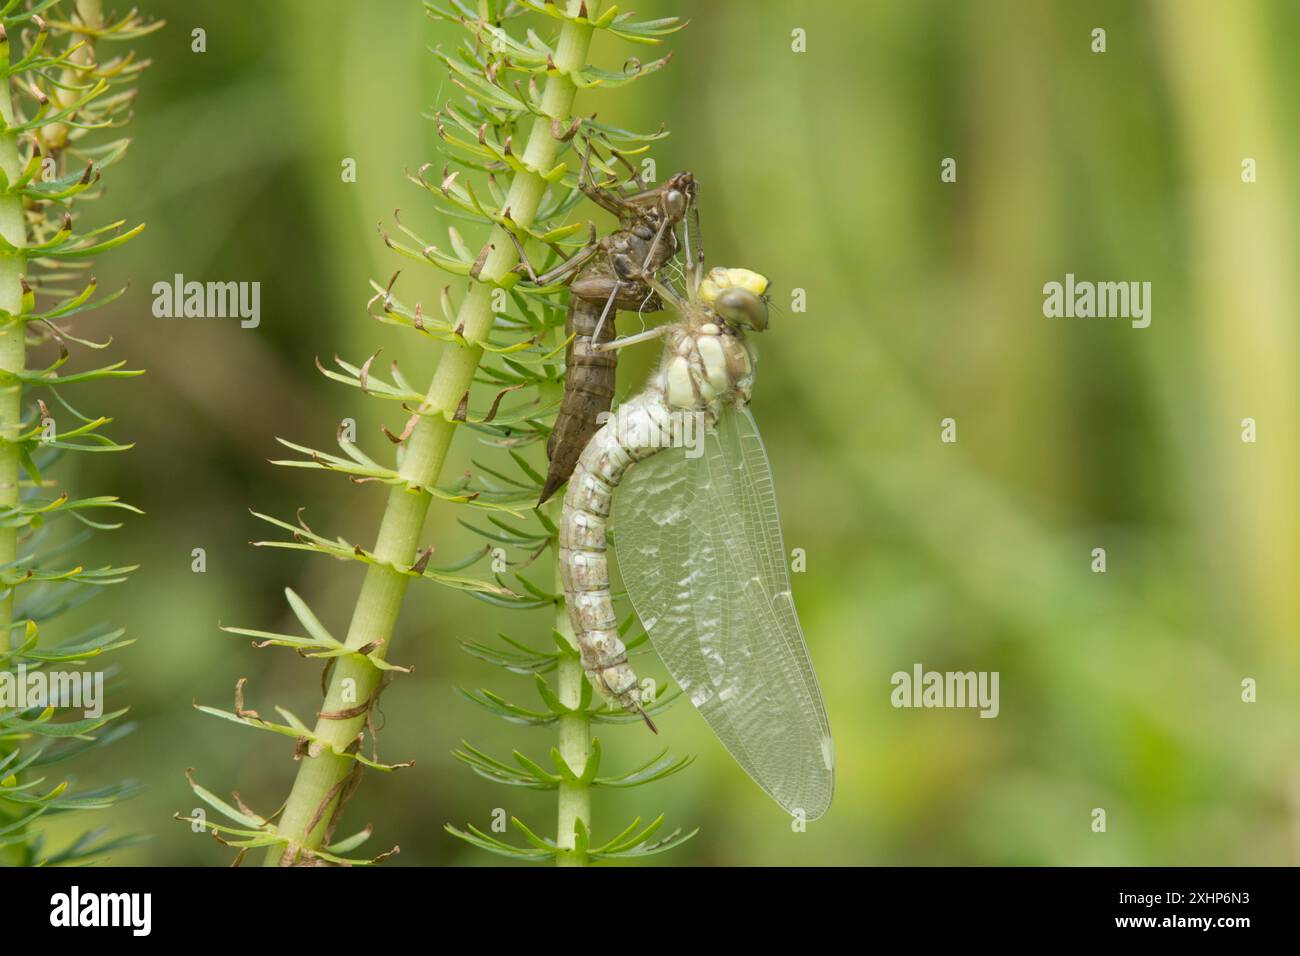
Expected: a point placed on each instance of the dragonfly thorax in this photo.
(707, 362)
(705, 368)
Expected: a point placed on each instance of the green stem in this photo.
(575, 742)
(13, 358)
(91, 14)
(321, 779)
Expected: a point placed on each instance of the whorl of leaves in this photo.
(69, 90)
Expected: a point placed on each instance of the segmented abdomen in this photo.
(584, 568)
(588, 389)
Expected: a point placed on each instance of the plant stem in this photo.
(575, 741)
(91, 14)
(13, 359)
(321, 779)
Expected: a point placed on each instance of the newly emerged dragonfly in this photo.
(699, 547)
(604, 276)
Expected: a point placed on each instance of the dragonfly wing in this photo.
(694, 249)
(700, 551)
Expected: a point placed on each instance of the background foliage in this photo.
(1118, 690)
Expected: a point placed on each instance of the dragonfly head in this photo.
(738, 296)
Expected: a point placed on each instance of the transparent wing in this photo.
(699, 547)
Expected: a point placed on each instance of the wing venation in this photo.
(699, 547)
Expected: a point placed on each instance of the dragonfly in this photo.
(606, 275)
(699, 546)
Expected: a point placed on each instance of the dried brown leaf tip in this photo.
(239, 702)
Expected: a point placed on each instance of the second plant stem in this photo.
(574, 797)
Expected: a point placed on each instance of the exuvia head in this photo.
(675, 204)
(679, 193)
(737, 296)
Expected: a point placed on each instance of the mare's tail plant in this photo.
(567, 706)
(522, 363)
(506, 140)
(61, 90)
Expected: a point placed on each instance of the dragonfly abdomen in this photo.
(584, 568)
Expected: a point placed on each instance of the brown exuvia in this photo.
(607, 275)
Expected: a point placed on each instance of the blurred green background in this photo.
(1119, 690)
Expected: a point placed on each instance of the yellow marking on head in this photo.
(720, 279)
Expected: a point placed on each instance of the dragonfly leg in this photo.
(665, 293)
(565, 269)
(523, 258)
(606, 199)
(632, 170)
(604, 314)
(618, 201)
(664, 226)
(648, 722)
(637, 339)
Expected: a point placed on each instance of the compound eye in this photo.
(675, 203)
(742, 307)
